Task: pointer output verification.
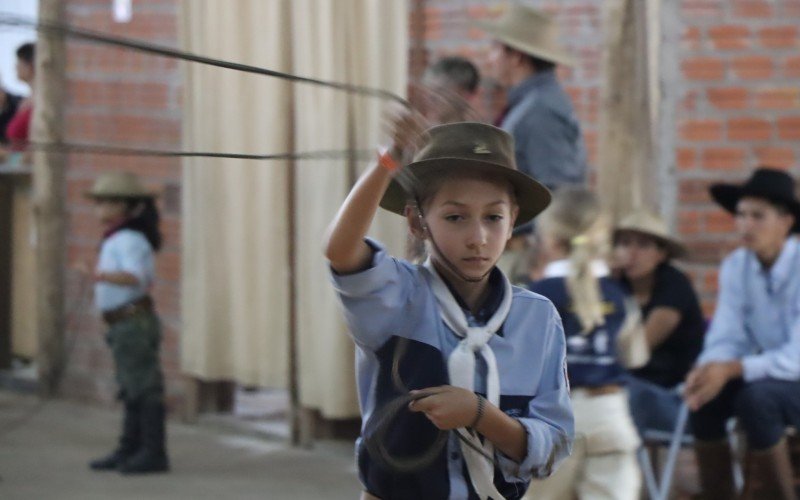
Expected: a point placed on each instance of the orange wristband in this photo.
(386, 160)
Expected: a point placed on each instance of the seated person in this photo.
(750, 364)
(592, 307)
(673, 320)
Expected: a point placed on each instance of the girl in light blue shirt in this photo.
(482, 359)
(123, 278)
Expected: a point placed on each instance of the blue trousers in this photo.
(764, 409)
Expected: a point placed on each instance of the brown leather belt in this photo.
(138, 306)
(602, 390)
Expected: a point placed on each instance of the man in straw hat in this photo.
(750, 364)
(539, 114)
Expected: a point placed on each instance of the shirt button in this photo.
(454, 456)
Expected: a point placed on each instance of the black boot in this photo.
(152, 455)
(129, 441)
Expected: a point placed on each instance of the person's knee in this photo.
(757, 400)
(758, 410)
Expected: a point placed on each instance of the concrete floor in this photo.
(46, 457)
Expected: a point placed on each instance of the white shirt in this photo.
(124, 251)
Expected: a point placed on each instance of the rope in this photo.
(64, 29)
(74, 147)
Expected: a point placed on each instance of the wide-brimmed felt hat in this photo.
(469, 147)
(530, 31)
(767, 183)
(651, 225)
(118, 185)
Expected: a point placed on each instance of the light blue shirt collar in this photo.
(518, 92)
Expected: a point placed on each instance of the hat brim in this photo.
(675, 249)
(531, 196)
(94, 195)
(554, 56)
(728, 195)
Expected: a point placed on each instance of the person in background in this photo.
(451, 85)
(673, 321)
(597, 324)
(123, 278)
(749, 367)
(8, 108)
(17, 130)
(549, 146)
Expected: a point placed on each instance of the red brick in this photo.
(689, 101)
(729, 37)
(705, 251)
(753, 67)
(784, 98)
(779, 37)
(792, 67)
(789, 128)
(791, 8)
(703, 68)
(686, 158)
(728, 97)
(751, 8)
(775, 157)
(749, 129)
(693, 191)
(701, 8)
(717, 221)
(692, 38)
(688, 222)
(711, 280)
(723, 158)
(701, 130)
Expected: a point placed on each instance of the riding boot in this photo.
(152, 456)
(769, 474)
(714, 460)
(129, 441)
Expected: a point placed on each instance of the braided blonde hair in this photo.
(575, 220)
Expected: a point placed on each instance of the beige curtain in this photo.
(235, 272)
(235, 306)
(354, 41)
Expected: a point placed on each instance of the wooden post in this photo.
(48, 182)
(6, 252)
(627, 172)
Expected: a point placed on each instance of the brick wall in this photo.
(738, 102)
(739, 107)
(116, 96)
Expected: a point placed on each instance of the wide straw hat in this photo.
(652, 225)
(767, 183)
(463, 147)
(118, 185)
(530, 31)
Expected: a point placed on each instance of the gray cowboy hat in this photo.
(651, 225)
(465, 146)
(118, 185)
(530, 31)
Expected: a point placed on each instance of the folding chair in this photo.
(658, 489)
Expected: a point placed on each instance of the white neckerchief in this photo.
(461, 369)
(561, 269)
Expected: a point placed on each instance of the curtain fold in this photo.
(235, 230)
(236, 216)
